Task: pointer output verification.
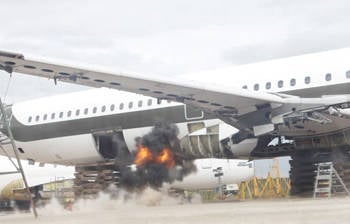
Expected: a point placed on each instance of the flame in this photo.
(166, 158)
(144, 156)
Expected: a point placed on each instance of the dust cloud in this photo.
(103, 210)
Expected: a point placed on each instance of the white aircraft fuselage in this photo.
(73, 128)
(233, 172)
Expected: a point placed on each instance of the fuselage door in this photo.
(192, 113)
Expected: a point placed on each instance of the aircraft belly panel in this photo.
(69, 150)
(312, 128)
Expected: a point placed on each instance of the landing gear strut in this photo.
(304, 167)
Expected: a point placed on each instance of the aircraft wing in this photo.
(207, 97)
(230, 104)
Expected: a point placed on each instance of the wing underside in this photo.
(207, 97)
(238, 107)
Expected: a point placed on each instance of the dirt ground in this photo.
(166, 210)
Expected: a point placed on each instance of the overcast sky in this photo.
(165, 37)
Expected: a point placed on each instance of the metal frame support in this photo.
(14, 147)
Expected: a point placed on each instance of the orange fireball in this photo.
(166, 158)
(143, 156)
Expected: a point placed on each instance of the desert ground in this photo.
(152, 208)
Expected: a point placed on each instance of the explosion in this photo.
(158, 160)
(144, 156)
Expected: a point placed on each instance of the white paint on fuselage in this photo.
(70, 150)
(78, 149)
(315, 65)
(79, 101)
(234, 171)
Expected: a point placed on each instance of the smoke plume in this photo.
(158, 160)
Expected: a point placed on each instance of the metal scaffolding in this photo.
(7, 138)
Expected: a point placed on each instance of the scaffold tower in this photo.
(7, 139)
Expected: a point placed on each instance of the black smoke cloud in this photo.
(153, 174)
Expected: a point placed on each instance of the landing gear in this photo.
(91, 179)
(342, 165)
(304, 168)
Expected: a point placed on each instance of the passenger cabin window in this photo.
(61, 114)
(280, 84)
(307, 79)
(53, 115)
(268, 85)
(130, 105)
(245, 87)
(328, 77)
(149, 102)
(69, 113)
(77, 112)
(94, 110)
(293, 82)
(256, 87)
(348, 74)
(45, 117)
(37, 118)
(103, 109)
(30, 119)
(121, 106)
(112, 107)
(86, 111)
(139, 103)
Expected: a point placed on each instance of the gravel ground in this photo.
(167, 210)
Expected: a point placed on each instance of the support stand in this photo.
(5, 125)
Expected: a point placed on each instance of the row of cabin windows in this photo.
(94, 110)
(293, 82)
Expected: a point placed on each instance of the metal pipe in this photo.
(14, 147)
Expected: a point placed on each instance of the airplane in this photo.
(12, 194)
(12, 191)
(236, 112)
(233, 171)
